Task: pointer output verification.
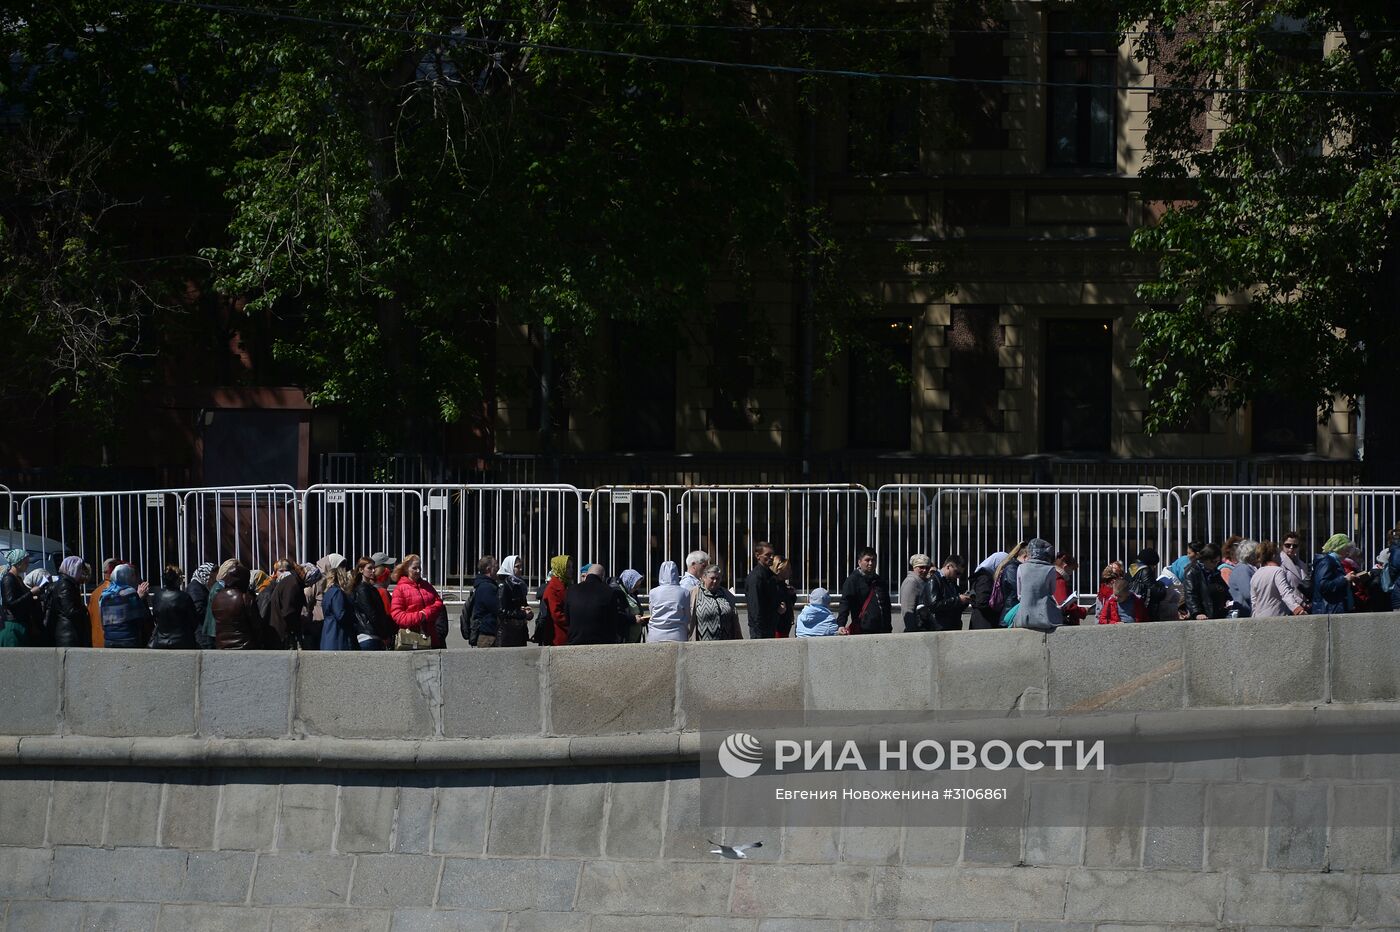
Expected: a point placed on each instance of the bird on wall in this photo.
(734, 852)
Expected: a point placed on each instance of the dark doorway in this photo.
(1078, 397)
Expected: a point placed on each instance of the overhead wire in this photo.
(522, 45)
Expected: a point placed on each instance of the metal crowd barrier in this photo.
(1095, 524)
(630, 528)
(819, 527)
(449, 527)
(1365, 514)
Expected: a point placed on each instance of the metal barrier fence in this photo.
(631, 528)
(141, 528)
(256, 524)
(449, 527)
(1096, 524)
(818, 528)
(1365, 514)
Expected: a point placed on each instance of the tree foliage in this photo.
(1279, 244)
(389, 179)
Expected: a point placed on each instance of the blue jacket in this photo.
(486, 604)
(1331, 588)
(338, 633)
(816, 621)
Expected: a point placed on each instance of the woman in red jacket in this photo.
(1122, 604)
(416, 604)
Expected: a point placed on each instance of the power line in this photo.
(521, 45)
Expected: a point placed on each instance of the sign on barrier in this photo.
(1365, 514)
(630, 528)
(818, 528)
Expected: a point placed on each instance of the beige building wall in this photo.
(1039, 244)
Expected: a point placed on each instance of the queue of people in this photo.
(383, 603)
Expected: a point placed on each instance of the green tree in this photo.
(387, 179)
(1280, 249)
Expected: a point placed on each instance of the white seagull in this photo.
(734, 852)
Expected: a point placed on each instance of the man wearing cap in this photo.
(383, 565)
(909, 590)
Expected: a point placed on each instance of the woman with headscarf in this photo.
(338, 631)
(984, 617)
(208, 633)
(671, 606)
(1035, 582)
(554, 616)
(714, 615)
(95, 599)
(238, 625)
(513, 622)
(1330, 581)
(124, 612)
(66, 617)
(198, 591)
(627, 583)
(36, 635)
(22, 613)
(173, 611)
(817, 620)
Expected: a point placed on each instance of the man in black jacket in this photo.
(865, 598)
(593, 610)
(942, 604)
(762, 595)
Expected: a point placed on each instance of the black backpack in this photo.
(465, 622)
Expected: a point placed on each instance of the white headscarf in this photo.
(508, 566)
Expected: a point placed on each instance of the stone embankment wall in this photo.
(564, 789)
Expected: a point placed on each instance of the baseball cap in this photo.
(381, 558)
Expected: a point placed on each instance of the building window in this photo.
(977, 110)
(1078, 396)
(642, 416)
(1081, 126)
(883, 122)
(1283, 425)
(879, 402)
(732, 373)
(974, 377)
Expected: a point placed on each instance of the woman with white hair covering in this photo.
(1036, 580)
(984, 617)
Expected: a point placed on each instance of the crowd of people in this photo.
(383, 603)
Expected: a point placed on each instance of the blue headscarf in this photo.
(123, 584)
(629, 579)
